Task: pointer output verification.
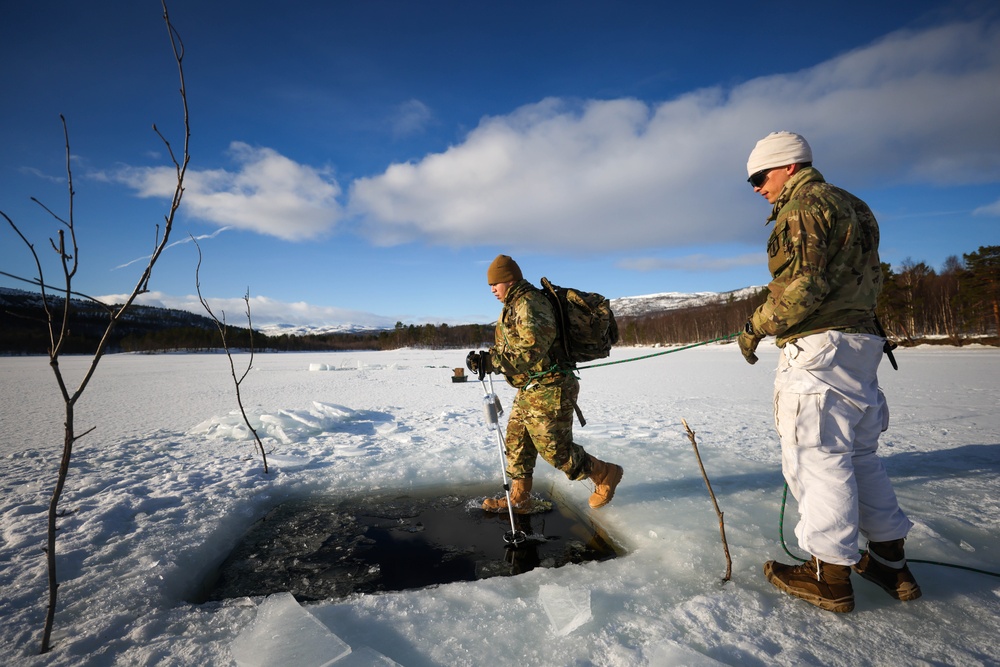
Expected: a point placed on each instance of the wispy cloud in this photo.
(186, 239)
(38, 173)
(914, 107)
(989, 209)
(411, 118)
(269, 194)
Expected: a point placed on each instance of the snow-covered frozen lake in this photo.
(166, 484)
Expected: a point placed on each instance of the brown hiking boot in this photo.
(822, 584)
(605, 477)
(520, 498)
(885, 564)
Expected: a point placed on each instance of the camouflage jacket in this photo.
(525, 334)
(824, 262)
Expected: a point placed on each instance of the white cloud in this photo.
(694, 263)
(914, 107)
(264, 311)
(270, 194)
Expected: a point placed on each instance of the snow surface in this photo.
(167, 484)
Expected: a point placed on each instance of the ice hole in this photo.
(320, 548)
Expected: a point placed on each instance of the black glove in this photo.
(748, 341)
(479, 363)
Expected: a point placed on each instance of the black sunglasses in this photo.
(758, 177)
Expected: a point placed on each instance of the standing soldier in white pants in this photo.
(828, 408)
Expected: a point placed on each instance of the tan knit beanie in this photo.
(503, 270)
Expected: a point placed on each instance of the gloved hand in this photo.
(479, 363)
(748, 341)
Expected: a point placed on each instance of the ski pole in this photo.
(491, 406)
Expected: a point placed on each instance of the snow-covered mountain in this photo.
(637, 306)
(285, 329)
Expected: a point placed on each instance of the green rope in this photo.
(781, 526)
(660, 354)
(781, 534)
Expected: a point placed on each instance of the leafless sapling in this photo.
(715, 504)
(57, 314)
(223, 331)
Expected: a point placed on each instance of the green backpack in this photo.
(587, 326)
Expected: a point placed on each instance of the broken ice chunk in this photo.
(367, 657)
(286, 634)
(567, 608)
(672, 653)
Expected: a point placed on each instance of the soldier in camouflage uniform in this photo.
(541, 420)
(828, 408)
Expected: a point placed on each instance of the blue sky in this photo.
(364, 161)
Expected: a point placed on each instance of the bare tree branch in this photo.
(58, 322)
(223, 331)
(718, 512)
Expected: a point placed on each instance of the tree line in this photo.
(148, 329)
(957, 305)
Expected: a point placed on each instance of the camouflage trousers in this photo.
(541, 422)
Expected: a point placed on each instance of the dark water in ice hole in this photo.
(321, 548)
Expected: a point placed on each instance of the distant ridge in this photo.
(282, 329)
(12, 299)
(626, 306)
(650, 304)
(157, 318)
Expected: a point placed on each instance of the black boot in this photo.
(885, 564)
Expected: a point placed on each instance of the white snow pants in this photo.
(829, 412)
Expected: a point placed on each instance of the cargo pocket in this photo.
(811, 352)
(819, 420)
(797, 418)
(837, 422)
(794, 421)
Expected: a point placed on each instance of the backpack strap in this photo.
(550, 292)
(562, 342)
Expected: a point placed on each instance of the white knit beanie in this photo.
(777, 150)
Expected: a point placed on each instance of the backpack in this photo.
(586, 324)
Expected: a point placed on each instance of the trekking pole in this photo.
(491, 406)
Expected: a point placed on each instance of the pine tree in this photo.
(983, 267)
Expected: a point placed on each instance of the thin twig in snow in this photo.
(718, 512)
